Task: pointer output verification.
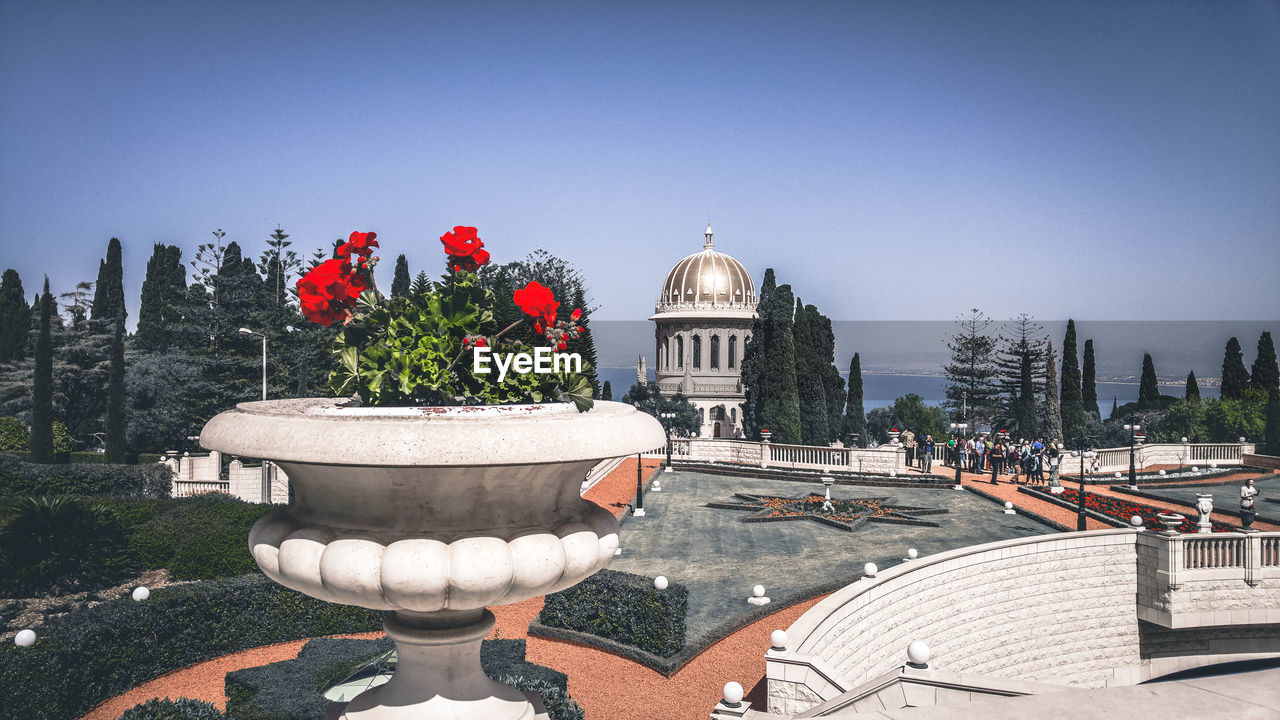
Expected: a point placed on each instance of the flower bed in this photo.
(1122, 511)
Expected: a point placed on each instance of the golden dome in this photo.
(706, 280)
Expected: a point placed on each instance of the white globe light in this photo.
(778, 639)
(918, 652)
(870, 569)
(141, 593)
(25, 638)
(1136, 520)
(660, 582)
(1008, 505)
(893, 473)
(758, 591)
(732, 693)
(1184, 439)
(1242, 438)
(1195, 468)
(1161, 473)
(913, 553)
(1118, 475)
(1213, 464)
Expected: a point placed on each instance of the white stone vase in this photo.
(431, 514)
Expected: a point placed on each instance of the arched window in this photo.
(715, 353)
(679, 351)
(733, 351)
(697, 352)
(666, 353)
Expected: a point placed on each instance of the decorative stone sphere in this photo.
(758, 591)
(1136, 520)
(1241, 438)
(141, 593)
(918, 653)
(1213, 465)
(913, 553)
(25, 638)
(778, 639)
(870, 569)
(1118, 476)
(1008, 505)
(893, 473)
(1184, 439)
(1161, 473)
(732, 694)
(1195, 468)
(660, 582)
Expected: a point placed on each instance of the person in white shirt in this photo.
(1247, 511)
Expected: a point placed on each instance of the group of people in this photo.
(1027, 461)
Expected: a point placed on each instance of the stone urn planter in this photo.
(1170, 521)
(431, 514)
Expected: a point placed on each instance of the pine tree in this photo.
(606, 392)
(1072, 405)
(1235, 378)
(1021, 370)
(278, 264)
(1193, 388)
(1089, 380)
(421, 284)
(754, 352)
(42, 386)
(1053, 411)
(855, 418)
(15, 318)
(108, 297)
(779, 396)
(812, 395)
(1266, 374)
(971, 376)
(400, 281)
(585, 344)
(1148, 388)
(115, 434)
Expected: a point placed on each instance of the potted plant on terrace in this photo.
(429, 488)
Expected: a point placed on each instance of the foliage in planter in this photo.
(624, 608)
(202, 538)
(181, 709)
(23, 478)
(294, 689)
(53, 546)
(100, 652)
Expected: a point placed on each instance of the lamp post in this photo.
(667, 418)
(959, 427)
(1084, 443)
(639, 511)
(1133, 434)
(266, 477)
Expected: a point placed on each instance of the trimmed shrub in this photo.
(181, 709)
(200, 538)
(624, 608)
(14, 436)
(294, 689)
(142, 481)
(53, 546)
(100, 652)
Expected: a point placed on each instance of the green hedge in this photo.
(294, 689)
(182, 709)
(199, 538)
(88, 656)
(61, 545)
(140, 481)
(624, 608)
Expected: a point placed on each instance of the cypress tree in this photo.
(164, 290)
(1089, 380)
(1193, 387)
(855, 418)
(779, 396)
(400, 281)
(15, 318)
(1148, 388)
(1235, 378)
(42, 385)
(108, 294)
(1053, 411)
(824, 339)
(1266, 374)
(1072, 404)
(1272, 433)
(115, 435)
(812, 395)
(1114, 406)
(754, 351)
(606, 392)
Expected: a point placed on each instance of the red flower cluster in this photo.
(465, 249)
(540, 303)
(359, 243)
(1123, 510)
(329, 291)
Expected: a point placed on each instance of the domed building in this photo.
(703, 320)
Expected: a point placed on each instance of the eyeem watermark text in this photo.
(542, 361)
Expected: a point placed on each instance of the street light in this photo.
(667, 417)
(639, 511)
(1133, 435)
(266, 478)
(1084, 443)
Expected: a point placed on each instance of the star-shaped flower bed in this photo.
(845, 515)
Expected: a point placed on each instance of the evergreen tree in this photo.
(824, 338)
(779, 396)
(1148, 388)
(1235, 378)
(1272, 434)
(400, 281)
(42, 387)
(855, 418)
(278, 264)
(115, 435)
(606, 392)
(1089, 380)
(1266, 374)
(812, 395)
(164, 291)
(1020, 365)
(15, 318)
(971, 374)
(585, 344)
(1072, 405)
(1114, 406)
(108, 296)
(1193, 388)
(1052, 424)
(754, 351)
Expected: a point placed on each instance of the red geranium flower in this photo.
(464, 248)
(329, 290)
(537, 301)
(361, 244)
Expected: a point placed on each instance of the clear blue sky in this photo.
(892, 160)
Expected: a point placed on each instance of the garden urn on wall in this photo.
(431, 514)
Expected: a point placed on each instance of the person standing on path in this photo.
(1248, 513)
(908, 440)
(926, 461)
(1055, 456)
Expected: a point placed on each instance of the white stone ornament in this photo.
(778, 639)
(732, 694)
(25, 638)
(870, 570)
(912, 554)
(918, 654)
(1008, 508)
(1118, 476)
(141, 593)
(757, 596)
(1136, 521)
(1195, 468)
(1161, 473)
(660, 582)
